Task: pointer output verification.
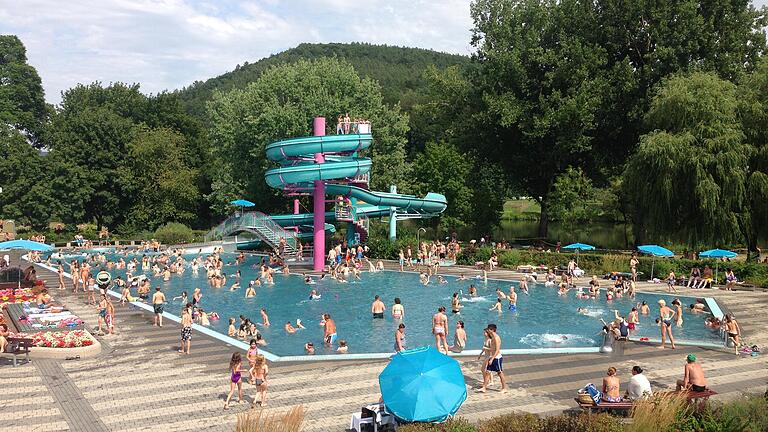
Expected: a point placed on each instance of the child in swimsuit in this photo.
(235, 368)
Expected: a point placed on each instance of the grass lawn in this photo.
(526, 209)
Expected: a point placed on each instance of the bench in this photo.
(18, 346)
(691, 397)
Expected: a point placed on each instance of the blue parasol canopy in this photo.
(655, 250)
(422, 384)
(718, 253)
(579, 246)
(242, 203)
(26, 245)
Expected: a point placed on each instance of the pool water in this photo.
(542, 318)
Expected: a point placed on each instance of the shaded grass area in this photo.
(521, 209)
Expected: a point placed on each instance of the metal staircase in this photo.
(266, 229)
(362, 225)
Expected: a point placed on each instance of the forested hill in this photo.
(398, 70)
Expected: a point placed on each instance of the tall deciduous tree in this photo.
(443, 169)
(282, 103)
(688, 176)
(163, 188)
(561, 83)
(22, 100)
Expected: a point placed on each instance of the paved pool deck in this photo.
(139, 382)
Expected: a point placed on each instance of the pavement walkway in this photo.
(139, 381)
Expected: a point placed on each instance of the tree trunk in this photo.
(543, 221)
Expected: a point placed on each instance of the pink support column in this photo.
(319, 204)
(296, 206)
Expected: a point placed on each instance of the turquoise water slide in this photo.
(298, 171)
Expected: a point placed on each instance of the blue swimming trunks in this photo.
(512, 307)
(495, 365)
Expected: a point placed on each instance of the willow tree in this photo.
(688, 176)
(753, 110)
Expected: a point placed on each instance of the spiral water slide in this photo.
(325, 165)
(299, 171)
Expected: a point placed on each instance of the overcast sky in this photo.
(167, 44)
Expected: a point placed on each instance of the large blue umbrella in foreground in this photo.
(655, 250)
(422, 384)
(26, 245)
(717, 253)
(578, 247)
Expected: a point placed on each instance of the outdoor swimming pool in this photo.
(541, 321)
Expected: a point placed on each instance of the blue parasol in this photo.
(242, 203)
(717, 253)
(578, 247)
(655, 250)
(423, 385)
(26, 245)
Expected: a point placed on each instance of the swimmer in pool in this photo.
(313, 295)
(472, 291)
(441, 280)
(644, 308)
(496, 306)
(582, 311)
(235, 286)
(512, 298)
(308, 280)
(424, 278)
(462, 277)
(289, 328)
(250, 291)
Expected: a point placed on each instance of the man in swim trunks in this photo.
(439, 328)
(378, 308)
(693, 379)
(494, 362)
(158, 298)
(329, 330)
(512, 298)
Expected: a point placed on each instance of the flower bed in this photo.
(61, 339)
(21, 295)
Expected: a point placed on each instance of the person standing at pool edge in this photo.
(186, 330)
(494, 362)
(158, 298)
(439, 328)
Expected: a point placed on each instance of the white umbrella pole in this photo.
(653, 264)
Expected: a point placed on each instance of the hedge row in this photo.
(599, 264)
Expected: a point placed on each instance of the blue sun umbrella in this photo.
(717, 253)
(578, 247)
(26, 245)
(655, 250)
(242, 203)
(423, 385)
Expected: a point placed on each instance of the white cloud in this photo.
(167, 44)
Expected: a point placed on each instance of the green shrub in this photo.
(511, 423)
(580, 423)
(452, 425)
(749, 414)
(174, 233)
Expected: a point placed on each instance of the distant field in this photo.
(526, 209)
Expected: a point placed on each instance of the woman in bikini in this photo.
(398, 311)
(235, 365)
(439, 326)
(678, 312)
(666, 315)
(611, 385)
